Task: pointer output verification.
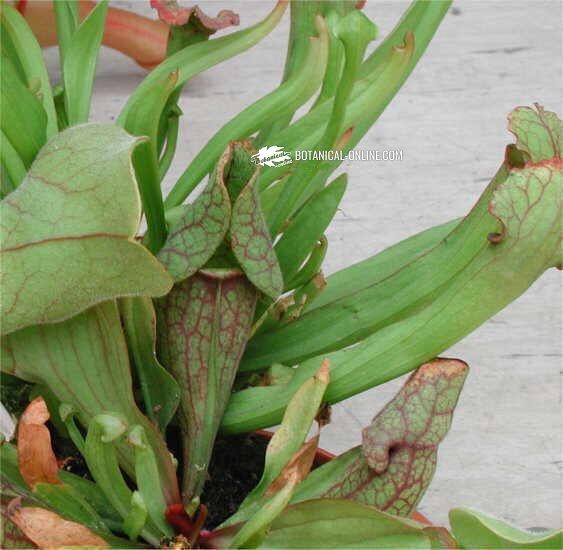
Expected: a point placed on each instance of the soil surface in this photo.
(236, 467)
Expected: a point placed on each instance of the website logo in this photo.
(271, 156)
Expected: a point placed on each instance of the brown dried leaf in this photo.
(11, 536)
(36, 459)
(48, 530)
(297, 468)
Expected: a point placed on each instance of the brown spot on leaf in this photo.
(297, 468)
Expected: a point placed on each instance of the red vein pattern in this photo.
(199, 231)
(399, 448)
(203, 327)
(252, 245)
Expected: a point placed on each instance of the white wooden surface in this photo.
(503, 454)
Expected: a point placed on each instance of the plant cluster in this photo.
(219, 318)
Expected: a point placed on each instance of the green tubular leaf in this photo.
(84, 361)
(399, 448)
(302, 25)
(510, 240)
(167, 156)
(334, 523)
(12, 164)
(367, 100)
(18, 39)
(23, 121)
(94, 496)
(476, 530)
(12, 481)
(142, 119)
(312, 266)
(203, 325)
(253, 532)
(323, 479)
(382, 302)
(420, 22)
(101, 457)
(79, 66)
(67, 414)
(353, 278)
(179, 37)
(308, 227)
(355, 31)
(66, 19)
(287, 440)
(198, 229)
(287, 98)
(161, 393)
(136, 518)
(148, 482)
(78, 206)
(335, 63)
(201, 56)
(104, 431)
(422, 18)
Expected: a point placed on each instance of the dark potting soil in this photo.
(68, 455)
(236, 466)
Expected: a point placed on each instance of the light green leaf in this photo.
(136, 518)
(308, 227)
(287, 440)
(142, 119)
(13, 168)
(530, 188)
(85, 363)
(511, 237)
(355, 31)
(20, 44)
(285, 99)
(23, 121)
(104, 430)
(334, 523)
(68, 231)
(79, 66)
(66, 19)
(161, 393)
(378, 267)
(253, 532)
(476, 530)
(146, 472)
(196, 58)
